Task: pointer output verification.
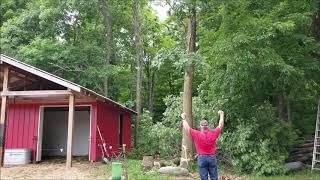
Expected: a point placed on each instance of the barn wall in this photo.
(127, 130)
(22, 126)
(108, 122)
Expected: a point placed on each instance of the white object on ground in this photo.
(174, 171)
(17, 156)
(293, 166)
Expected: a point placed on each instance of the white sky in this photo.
(160, 8)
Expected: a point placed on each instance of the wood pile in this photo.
(302, 153)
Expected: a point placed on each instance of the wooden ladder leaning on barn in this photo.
(316, 148)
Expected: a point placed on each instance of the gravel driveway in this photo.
(56, 169)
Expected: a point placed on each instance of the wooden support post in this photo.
(70, 130)
(3, 114)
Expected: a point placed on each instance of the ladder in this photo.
(316, 148)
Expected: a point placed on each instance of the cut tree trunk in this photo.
(139, 55)
(186, 149)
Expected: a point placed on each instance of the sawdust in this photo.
(56, 169)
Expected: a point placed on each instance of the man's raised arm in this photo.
(221, 121)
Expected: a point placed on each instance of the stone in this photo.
(177, 171)
(293, 166)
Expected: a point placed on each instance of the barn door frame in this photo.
(40, 128)
(40, 134)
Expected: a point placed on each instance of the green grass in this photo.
(300, 175)
(135, 171)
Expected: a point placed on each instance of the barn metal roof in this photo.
(56, 79)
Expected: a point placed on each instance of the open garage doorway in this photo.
(54, 121)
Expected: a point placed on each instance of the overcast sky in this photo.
(161, 9)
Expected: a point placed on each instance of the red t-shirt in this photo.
(205, 141)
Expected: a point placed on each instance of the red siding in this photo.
(22, 126)
(127, 130)
(108, 122)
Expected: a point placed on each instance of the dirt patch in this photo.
(56, 169)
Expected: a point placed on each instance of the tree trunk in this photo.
(316, 23)
(151, 91)
(187, 150)
(139, 55)
(281, 107)
(109, 55)
(289, 109)
(150, 74)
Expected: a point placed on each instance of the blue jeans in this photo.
(207, 164)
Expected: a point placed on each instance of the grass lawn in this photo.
(135, 172)
(300, 175)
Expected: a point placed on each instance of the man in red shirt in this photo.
(205, 143)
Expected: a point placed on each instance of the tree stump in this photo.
(147, 163)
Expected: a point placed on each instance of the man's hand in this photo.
(221, 121)
(184, 122)
(183, 116)
(220, 112)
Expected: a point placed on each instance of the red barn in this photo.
(55, 117)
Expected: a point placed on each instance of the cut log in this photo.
(302, 150)
(177, 171)
(310, 144)
(293, 166)
(305, 158)
(147, 163)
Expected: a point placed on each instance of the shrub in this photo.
(258, 146)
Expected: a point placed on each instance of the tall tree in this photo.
(187, 150)
(316, 20)
(109, 50)
(138, 55)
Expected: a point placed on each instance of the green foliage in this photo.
(259, 145)
(156, 138)
(303, 174)
(200, 110)
(135, 171)
(257, 52)
(250, 54)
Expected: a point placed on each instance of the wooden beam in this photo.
(51, 101)
(40, 93)
(3, 114)
(70, 130)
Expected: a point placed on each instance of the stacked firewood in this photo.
(302, 153)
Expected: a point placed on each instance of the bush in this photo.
(165, 137)
(258, 146)
(155, 138)
(256, 141)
